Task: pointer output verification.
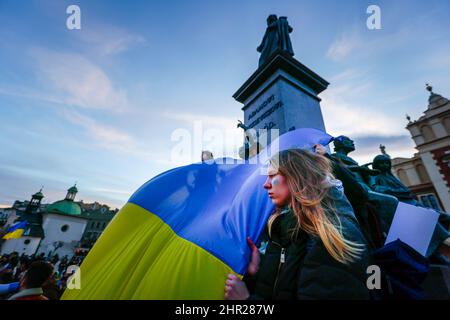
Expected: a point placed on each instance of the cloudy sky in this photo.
(102, 106)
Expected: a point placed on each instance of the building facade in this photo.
(427, 173)
(99, 216)
(59, 228)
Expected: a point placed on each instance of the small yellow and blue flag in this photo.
(16, 230)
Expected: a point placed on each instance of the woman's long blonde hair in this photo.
(308, 177)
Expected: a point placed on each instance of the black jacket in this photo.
(299, 267)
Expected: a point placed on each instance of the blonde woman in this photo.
(316, 249)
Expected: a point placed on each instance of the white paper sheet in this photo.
(414, 226)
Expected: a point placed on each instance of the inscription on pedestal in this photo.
(263, 111)
(262, 106)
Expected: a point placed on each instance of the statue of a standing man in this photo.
(276, 37)
(283, 32)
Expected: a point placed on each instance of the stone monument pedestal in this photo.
(282, 94)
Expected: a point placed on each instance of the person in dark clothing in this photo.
(24, 264)
(8, 271)
(51, 289)
(358, 197)
(316, 249)
(33, 281)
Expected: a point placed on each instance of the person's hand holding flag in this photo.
(235, 288)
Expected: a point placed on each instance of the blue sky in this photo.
(99, 105)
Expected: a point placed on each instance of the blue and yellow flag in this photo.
(183, 231)
(16, 230)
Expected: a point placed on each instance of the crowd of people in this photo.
(35, 277)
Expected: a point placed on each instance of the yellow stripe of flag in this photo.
(139, 257)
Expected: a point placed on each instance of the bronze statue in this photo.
(384, 190)
(383, 149)
(241, 125)
(388, 184)
(251, 145)
(383, 205)
(342, 147)
(385, 182)
(275, 38)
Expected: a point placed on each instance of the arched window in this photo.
(427, 133)
(422, 173)
(403, 176)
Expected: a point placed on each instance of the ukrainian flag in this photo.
(181, 233)
(16, 230)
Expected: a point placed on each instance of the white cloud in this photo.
(109, 40)
(77, 81)
(29, 93)
(347, 75)
(344, 45)
(355, 41)
(352, 108)
(105, 134)
(348, 107)
(113, 191)
(116, 140)
(350, 119)
(102, 135)
(206, 119)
